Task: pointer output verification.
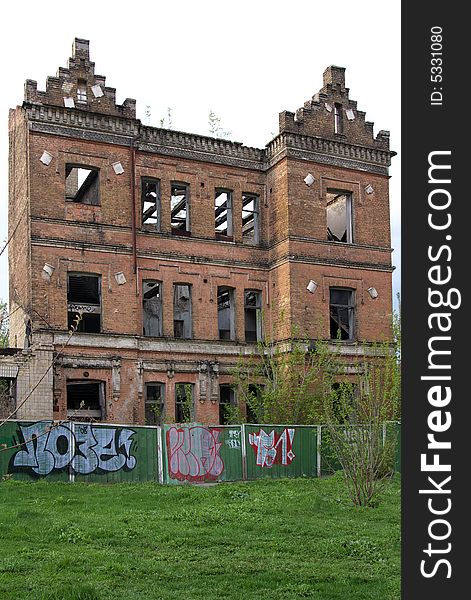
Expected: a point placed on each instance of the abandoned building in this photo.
(172, 254)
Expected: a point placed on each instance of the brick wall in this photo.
(103, 239)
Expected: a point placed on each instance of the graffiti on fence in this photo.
(273, 448)
(86, 449)
(193, 453)
(233, 439)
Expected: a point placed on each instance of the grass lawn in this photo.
(283, 539)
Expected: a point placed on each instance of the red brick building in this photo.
(179, 251)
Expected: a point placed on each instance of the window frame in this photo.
(73, 307)
(350, 307)
(348, 213)
(8, 395)
(189, 332)
(179, 404)
(82, 96)
(158, 419)
(69, 166)
(230, 308)
(229, 214)
(78, 413)
(178, 230)
(338, 118)
(232, 402)
(255, 240)
(157, 225)
(258, 315)
(160, 306)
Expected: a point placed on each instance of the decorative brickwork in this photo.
(78, 163)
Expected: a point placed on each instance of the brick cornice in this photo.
(97, 127)
(208, 260)
(330, 152)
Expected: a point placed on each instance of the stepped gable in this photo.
(77, 87)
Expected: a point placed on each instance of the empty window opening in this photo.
(227, 403)
(150, 200)
(226, 315)
(182, 311)
(7, 396)
(152, 308)
(338, 121)
(154, 403)
(180, 214)
(253, 316)
(342, 314)
(84, 298)
(85, 399)
(82, 184)
(250, 219)
(184, 402)
(223, 213)
(81, 91)
(339, 217)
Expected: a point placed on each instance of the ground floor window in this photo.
(155, 403)
(85, 399)
(184, 395)
(227, 401)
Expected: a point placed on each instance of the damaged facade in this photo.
(179, 251)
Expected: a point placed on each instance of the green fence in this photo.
(191, 452)
(280, 451)
(390, 433)
(78, 451)
(198, 454)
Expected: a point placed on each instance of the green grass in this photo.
(267, 539)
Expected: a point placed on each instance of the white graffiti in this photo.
(49, 447)
(267, 445)
(233, 441)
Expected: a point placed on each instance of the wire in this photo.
(14, 230)
(5, 317)
(71, 333)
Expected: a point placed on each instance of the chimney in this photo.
(334, 75)
(80, 49)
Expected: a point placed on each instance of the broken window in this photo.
(223, 213)
(154, 403)
(82, 184)
(150, 202)
(84, 302)
(7, 394)
(182, 311)
(81, 91)
(250, 219)
(227, 400)
(179, 206)
(152, 308)
(85, 399)
(183, 402)
(338, 121)
(342, 314)
(253, 315)
(226, 317)
(339, 217)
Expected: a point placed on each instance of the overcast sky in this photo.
(246, 61)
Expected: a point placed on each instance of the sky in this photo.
(246, 61)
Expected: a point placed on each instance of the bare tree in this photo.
(215, 128)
